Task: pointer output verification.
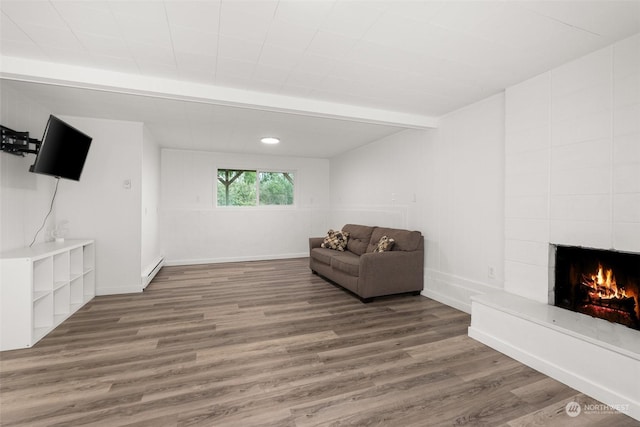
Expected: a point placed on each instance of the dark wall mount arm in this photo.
(18, 143)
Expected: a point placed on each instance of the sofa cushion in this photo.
(336, 240)
(385, 244)
(322, 255)
(346, 262)
(405, 240)
(359, 237)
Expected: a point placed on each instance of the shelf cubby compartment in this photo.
(43, 275)
(77, 263)
(88, 257)
(89, 285)
(40, 294)
(60, 269)
(76, 293)
(61, 304)
(43, 312)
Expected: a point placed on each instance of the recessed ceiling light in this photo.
(270, 140)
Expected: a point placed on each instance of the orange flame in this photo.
(603, 286)
(603, 283)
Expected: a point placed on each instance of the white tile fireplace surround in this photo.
(572, 177)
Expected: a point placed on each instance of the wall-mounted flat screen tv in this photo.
(63, 151)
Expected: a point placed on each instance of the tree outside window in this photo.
(276, 188)
(237, 187)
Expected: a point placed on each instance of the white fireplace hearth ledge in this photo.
(603, 333)
(594, 356)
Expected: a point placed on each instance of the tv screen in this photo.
(63, 150)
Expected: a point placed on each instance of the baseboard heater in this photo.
(146, 279)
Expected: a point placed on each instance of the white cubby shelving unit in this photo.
(41, 286)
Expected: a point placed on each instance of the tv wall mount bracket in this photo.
(18, 143)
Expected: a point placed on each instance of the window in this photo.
(276, 188)
(237, 187)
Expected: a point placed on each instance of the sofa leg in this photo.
(416, 293)
(314, 272)
(366, 300)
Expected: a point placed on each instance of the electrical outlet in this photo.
(491, 273)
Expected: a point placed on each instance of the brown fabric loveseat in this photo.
(370, 274)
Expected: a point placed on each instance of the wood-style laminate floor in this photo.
(268, 343)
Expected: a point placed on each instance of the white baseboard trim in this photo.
(176, 262)
(452, 290)
(152, 271)
(446, 300)
(117, 291)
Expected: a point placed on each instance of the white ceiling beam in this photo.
(35, 71)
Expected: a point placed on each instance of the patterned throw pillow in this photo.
(336, 240)
(385, 244)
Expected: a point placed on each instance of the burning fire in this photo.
(603, 284)
(604, 292)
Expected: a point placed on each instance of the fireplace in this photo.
(599, 283)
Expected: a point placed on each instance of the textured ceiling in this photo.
(423, 58)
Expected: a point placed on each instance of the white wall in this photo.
(25, 197)
(465, 215)
(572, 163)
(447, 183)
(99, 207)
(195, 230)
(150, 193)
(380, 183)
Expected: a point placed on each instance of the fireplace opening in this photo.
(600, 283)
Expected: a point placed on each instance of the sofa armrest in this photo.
(391, 272)
(315, 242)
